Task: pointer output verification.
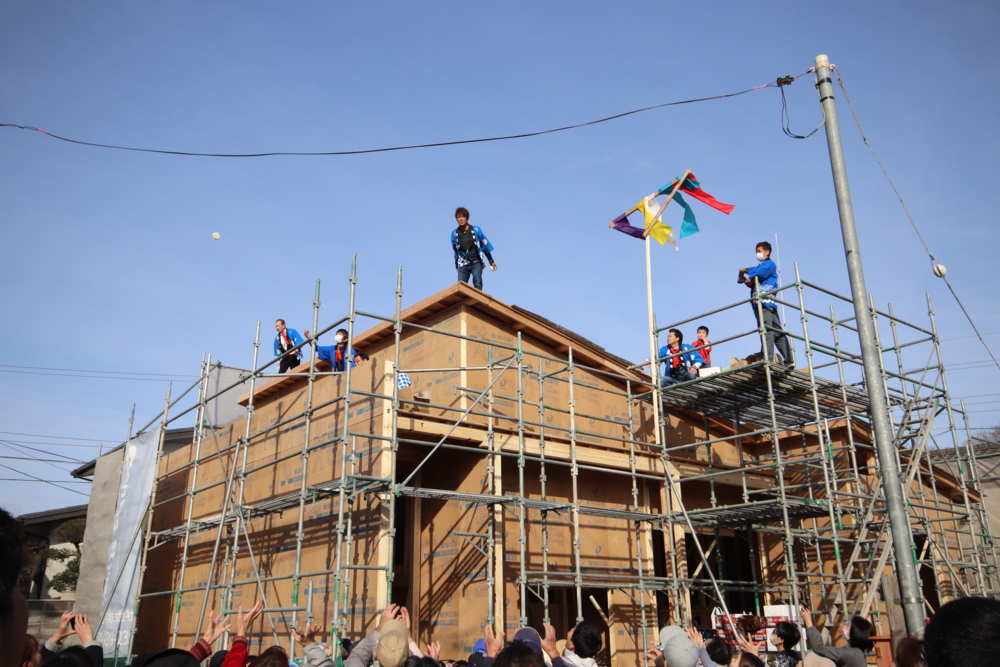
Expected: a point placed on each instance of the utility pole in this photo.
(895, 500)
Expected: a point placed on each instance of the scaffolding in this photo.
(751, 486)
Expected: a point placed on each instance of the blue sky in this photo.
(108, 262)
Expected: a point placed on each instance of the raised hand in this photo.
(549, 641)
(493, 643)
(696, 638)
(83, 629)
(747, 644)
(404, 617)
(306, 635)
(65, 627)
(216, 626)
(434, 650)
(244, 621)
(390, 612)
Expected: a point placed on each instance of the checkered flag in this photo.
(404, 381)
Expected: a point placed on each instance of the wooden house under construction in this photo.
(486, 465)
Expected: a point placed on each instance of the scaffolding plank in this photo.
(761, 511)
(743, 391)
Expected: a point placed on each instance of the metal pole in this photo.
(902, 539)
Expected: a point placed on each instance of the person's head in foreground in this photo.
(908, 653)
(584, 640)
(678, 649)
(785, 636)
(519, 654)
(393, 644)
(719, 651)
(859, 634)
(13, 607)
(965, 631)
(272, 657)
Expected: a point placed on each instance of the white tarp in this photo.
(122, 574)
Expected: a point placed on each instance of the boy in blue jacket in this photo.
(766, 274)
(683, 367)
(471, 247)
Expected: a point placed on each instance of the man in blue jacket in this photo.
(283, 342)
(683, 367)
(471, 249)
(766, 274)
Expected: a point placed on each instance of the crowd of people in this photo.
(965, 631)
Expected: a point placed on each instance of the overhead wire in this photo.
(934, 261)
(786, 121)
(396, 148)
(17, 445)
(45, 461)
(39, 479)
(47, 481)
(80, 370)
(57, 437)
(97, 377)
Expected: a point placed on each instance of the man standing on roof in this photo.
(471, 248)
(766, 274)
(283, 342)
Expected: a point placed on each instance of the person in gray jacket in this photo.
(859, 641)
(388, 645)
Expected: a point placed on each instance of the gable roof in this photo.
(585, 351)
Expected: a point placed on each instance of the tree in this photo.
(72, 532)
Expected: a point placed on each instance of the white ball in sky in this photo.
(216, 235)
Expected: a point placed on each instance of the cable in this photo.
(31, 458)
(948, 340)
(15, 445)
(64, 470)
(57, 437)
(397, 148)
(68, 481)
(98, 377)
(786, 121)
(934, 261)
(78, 370)
(39, 479)
(55, 444)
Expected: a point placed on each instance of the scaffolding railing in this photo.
(801, 487)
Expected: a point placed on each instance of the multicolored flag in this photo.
(659, 232)
(649, 207)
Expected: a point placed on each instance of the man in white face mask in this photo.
(337, 354)
(766, 274)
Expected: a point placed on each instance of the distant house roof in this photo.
(174, 436)
(61, 514)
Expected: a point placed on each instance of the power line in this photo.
(57, 437)
(47, 481)
(948, 340)
(67, 459)
(913, 222)
(398, 148)
(80, 370)
(97, 377)
(31, 458)
(70, 463)
(54, 444)
(39, 479)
